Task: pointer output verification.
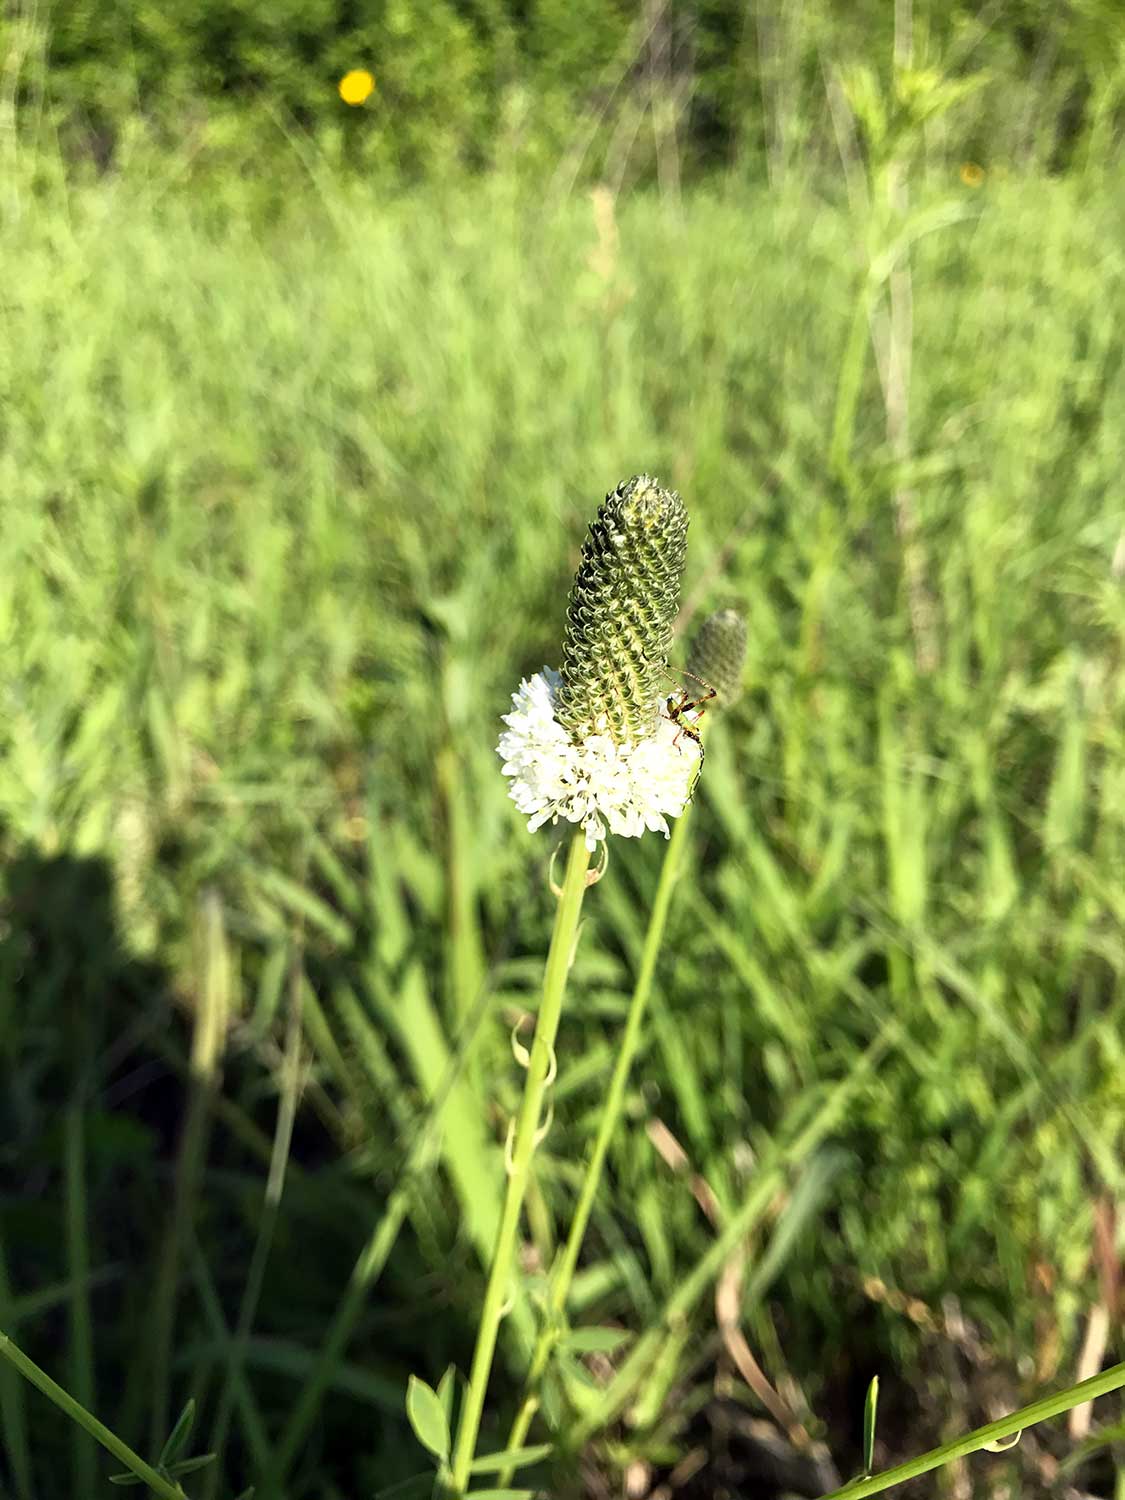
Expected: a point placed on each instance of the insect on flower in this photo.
(686, 714)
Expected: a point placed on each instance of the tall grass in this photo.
(288, 491)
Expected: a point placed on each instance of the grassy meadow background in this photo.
(301, 432)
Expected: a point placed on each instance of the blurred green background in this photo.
(304, 412)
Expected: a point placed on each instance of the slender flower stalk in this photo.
(1001, 1432)
(588, 745)
(86, 1420)
(563, 1273)
(523, 1148)
(717, 657)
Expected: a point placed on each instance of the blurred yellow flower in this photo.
(971, 174)
(356, 86)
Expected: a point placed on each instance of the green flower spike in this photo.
(595, 744)
(620, 615)
(718, 654)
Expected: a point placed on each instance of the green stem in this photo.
(78, 1260)
(13, 1415)
(466, 971)
(1007, 1427)
(206, 1060)
(289, 1087)
(519, 1173)
(611, 1114)
(850, 382)
(86, 1420)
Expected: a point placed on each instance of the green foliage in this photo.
(621, 89)
(428, 1418)
(293, 489)
(511, 1458)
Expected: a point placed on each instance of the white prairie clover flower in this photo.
(590, 744)
(593, 781)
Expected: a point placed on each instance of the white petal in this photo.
(596, 782)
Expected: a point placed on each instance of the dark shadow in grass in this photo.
(68, 986)
(77, 1010)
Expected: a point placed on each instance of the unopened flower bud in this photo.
(718, 654)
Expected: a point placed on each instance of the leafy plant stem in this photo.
(13, 1416)
(523, 1148)
(607, 1125)
(86, 1420)
(1007, 1427)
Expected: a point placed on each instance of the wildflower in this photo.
(592, 744)
(972, 175)
(593, 781)
(356, 86)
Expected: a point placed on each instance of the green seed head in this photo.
(718, 653)
(621, 612)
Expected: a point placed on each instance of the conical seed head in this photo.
(718, 654)
(621, 612)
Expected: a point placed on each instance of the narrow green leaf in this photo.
(501, 1495)
(427, 1417)
(179, 1434)
(247, 1494)
(290, 894)
(124, 1479)
(551, 1395)
(575, 1369)
(417, 1487)
(270, 983)
(870, 1409)
(511, 1458)
(190, 1465)
(594, 1340)
(445, 1393)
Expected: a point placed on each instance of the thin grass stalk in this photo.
(465, 971)
(850, 382)
(523, 1147)
(1006, 1428)
(207, 1044)
(275, 1184)
(896, 394)
(252, 1425)
(365, 1274)
(13, 1411)
(78, 1260)
(87, 1421)
(607, 1126)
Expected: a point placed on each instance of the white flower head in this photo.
(624, 788)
